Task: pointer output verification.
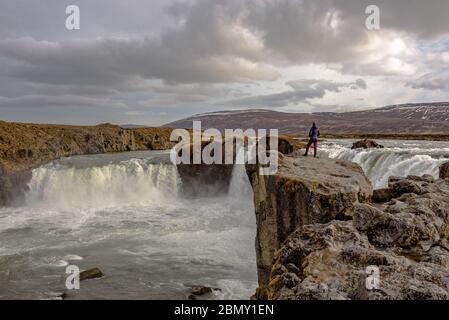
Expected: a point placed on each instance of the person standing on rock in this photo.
(314, 133)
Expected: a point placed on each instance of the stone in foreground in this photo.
(91, 274)
(200, 292)
(304, 191)
(366, 144)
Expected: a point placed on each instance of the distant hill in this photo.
(132, 126)
(422, 118)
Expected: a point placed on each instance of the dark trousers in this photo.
(315, 147)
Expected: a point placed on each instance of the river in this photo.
(124, 213)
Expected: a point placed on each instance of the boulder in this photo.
(198, 292)
(304, 191)
(403, 186)
(366, 144)
(91, 274)
(382, 195)
(425, 178)
(444, 171)
(288, 145)
(403, 229)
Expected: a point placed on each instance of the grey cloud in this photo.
(45, 19)
(58, 101)
(220, 41)
(208, 47)
(426, 19)
(180, 95)
(322, 86)
(432, 81)
(124, 47)
(303, 91)
(114, 61)
(204, 90)
(360, 83)
(334, 30)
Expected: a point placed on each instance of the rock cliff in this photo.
(304, 191)
(26, 146)
(205, 179)
(406, 239)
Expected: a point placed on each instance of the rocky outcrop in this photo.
(26, 146)
(405, 240)
(304, 191)
(366, 144)
(288, 145)
(206, 179)
(93, 273)
(382, 195)
(397, 186)
(13, 185)
(202, 292)
(444, 171)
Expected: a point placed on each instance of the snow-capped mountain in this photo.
(431, 111)
(422, 118)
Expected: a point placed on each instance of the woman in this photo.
(314, 133)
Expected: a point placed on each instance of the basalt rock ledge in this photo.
(305, 191)
(318, 233)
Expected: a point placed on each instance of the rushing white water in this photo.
(124, 214)
(135, 181)
(398, 158)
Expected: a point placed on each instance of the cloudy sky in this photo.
(151, 62)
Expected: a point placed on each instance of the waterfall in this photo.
(396, 159)
(122, 212)
(240, 187)
(134, 181)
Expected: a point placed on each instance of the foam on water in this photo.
(129, 182)
(124, 214)
(398, 158)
